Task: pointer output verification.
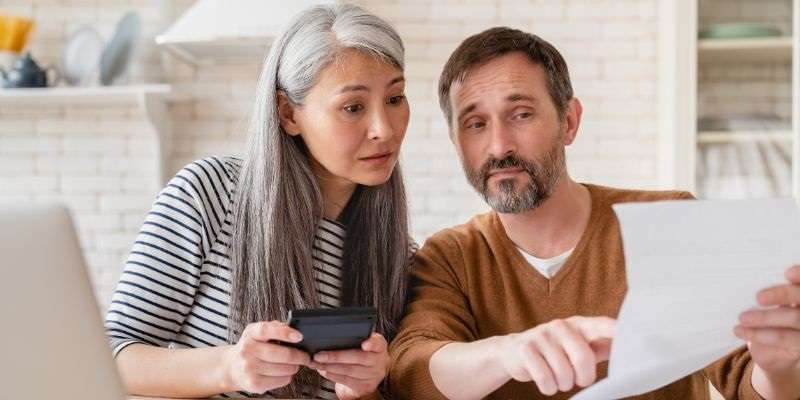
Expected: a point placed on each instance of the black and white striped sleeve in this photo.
(158, 284)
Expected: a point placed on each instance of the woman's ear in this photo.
(286, 114)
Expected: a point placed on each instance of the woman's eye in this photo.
(353, 108)
(396, 99)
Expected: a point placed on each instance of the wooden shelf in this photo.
(771, 49)
(99, 95)
(715, 137)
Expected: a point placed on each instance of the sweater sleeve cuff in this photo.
(419, 383)
(746, 389)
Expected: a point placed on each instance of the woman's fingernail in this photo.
(296, 337)
(321, 357)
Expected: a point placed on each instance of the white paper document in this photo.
(692, 267)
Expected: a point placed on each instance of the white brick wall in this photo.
(101, 161)
(86, 160)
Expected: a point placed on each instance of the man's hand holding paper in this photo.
(702, 277)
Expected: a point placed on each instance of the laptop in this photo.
(52, 340)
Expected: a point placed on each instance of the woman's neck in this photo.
(336, 191)
(335, 196)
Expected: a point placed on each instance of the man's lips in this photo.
(505, 172)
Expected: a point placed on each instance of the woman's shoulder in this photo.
(224, 168)
(210, 173)
(207, 184)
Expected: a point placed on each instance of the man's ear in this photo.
(572, 121)
(286, 114)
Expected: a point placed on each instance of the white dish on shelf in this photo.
(80, 57)
(117, 53)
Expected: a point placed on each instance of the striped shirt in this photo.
(174, 290)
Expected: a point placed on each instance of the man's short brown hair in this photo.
(495, 42)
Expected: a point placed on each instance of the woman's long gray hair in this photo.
(278, 201)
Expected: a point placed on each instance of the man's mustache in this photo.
(510, 161)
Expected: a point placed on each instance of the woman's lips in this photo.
(377, 159)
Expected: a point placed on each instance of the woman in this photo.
(315, 216)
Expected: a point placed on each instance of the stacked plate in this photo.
(87, 60)
(739, 30)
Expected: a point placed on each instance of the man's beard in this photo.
(514, 198)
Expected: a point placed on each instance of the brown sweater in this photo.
(470, 282)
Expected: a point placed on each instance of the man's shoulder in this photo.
(611, 195)
(476, 229)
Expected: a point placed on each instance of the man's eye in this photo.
(523, 115)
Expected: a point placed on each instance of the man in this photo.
(517, 303)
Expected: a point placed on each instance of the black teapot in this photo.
(25, 74)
